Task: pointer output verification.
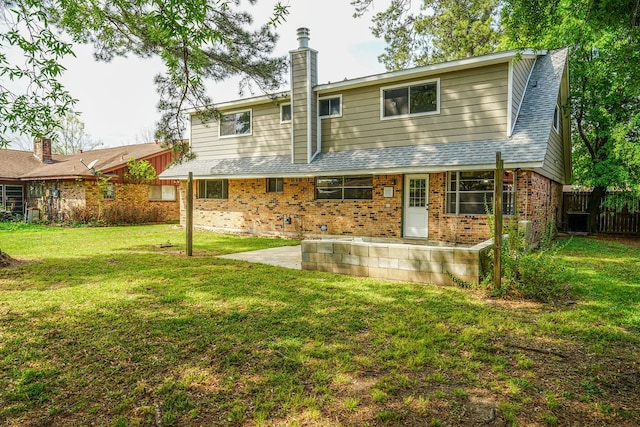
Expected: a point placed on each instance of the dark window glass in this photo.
(275, 185)
(213, 189)
(329, 107)
(423, 98)
(235, 123)
(348, 187)
(285, 112)
(471, 192)
(396, 102)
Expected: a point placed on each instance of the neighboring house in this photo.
(403, 154)
(85, 185)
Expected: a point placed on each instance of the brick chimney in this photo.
(42, 149)
(304, 77)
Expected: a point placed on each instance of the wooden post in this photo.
(189, 221)
(497, 213)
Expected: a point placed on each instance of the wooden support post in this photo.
(497, 213)
(189, 221)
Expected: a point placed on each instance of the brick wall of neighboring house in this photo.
(83, 200)
(250, 208)
(131, 204)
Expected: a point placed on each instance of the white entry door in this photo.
(416, 206)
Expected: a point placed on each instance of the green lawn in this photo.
(116, 327)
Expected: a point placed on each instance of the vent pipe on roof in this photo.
(303, 37)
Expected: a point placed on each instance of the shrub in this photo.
(529, 272)
(7, 216)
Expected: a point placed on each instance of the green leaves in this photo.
(33, 99)
(197, 40)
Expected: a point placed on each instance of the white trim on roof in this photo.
(373, 171)
(465, 63)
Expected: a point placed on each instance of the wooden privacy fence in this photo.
(609, 220)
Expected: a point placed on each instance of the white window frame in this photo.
(277, 180)
(174, 195)
(223, 196)
(508, 196)
(282, 120)
(556, 118)
(328, 97)
(408, 85)
(236, 135)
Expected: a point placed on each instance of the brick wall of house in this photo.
(251, 209)
(538, 200)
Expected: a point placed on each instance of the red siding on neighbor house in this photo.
(160, 162)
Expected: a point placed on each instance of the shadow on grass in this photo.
(146, 337)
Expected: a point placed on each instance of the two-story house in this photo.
(403, 154)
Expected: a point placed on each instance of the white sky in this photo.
(118, 99)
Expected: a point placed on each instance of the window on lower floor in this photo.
(471, 192)
(213, 189)
(344, 187)
(275, 185)
(12, 198)
(109, 191)
(36, 189)
(162, 192)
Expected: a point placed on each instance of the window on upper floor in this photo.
(330, 106)
(275, 185)
(344, 187)
(162, 193)
(235, 124)
(556, 118)
(285, 113)
(213, 189)
(471, 192)
(419, 98)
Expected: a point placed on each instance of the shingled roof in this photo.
(526, 148)
(24, 165)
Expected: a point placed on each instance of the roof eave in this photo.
(372, 171)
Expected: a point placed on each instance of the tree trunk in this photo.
(593, 207)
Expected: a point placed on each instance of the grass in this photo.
(116, 327)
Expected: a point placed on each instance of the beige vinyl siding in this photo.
(521, 70)
(300, 100)
(269, 136)
(554, 166)
(473, 106)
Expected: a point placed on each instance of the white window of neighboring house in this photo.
(345, 187)
(275, 185)
(471, 192)
(556, 118)
(420, 98)
(165, 193)
(109, 191)
(237, 123)
(330, 106)
(213, 189)
(285, 113)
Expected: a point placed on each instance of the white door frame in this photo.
(415, 218)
